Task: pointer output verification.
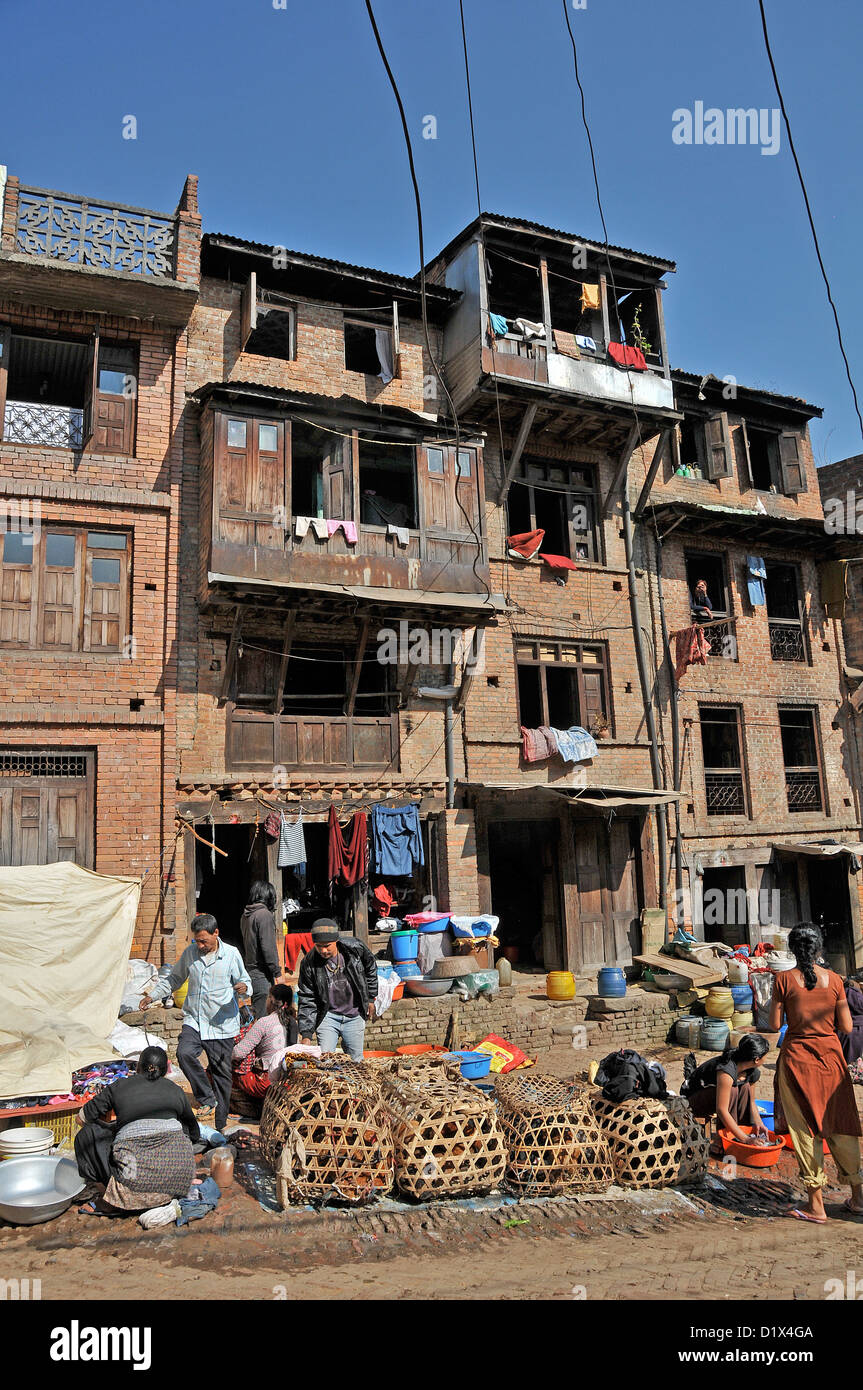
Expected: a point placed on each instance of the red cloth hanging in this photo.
(295, 942)
(348, 851)
(691, 649)
(558, 562)
(384, 898)
(625, 356)
(526, 544)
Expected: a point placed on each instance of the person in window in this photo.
(267, 1039)
(145, 1157)
(699, 602)
(724, 1087)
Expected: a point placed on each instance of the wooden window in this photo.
(560, 499)
(388, 485)
(250, 481)
(791, 466)
(562, 684)
(66, 393)
(774, 460)
(718, 446)
(800, 755)
(704, 443)
(46, 806)
(115, 399)
(373, 346)
(268, 322)
(65, 590)
(785, 613)
(450, 496)
(721, 746)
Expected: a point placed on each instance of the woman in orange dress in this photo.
(812, 1085)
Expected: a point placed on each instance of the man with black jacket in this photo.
(338, 986)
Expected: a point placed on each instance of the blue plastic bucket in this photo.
(611, 982)
(405, 945)
(473, 1064)
(742, 996)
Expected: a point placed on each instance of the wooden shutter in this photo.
(744, 455)
(114, 414)
(18, 594)
(266, 478)
(337, 474)
(593, 698)
(91, 391)
(791, 466)
(256, 677)
(60, 597)
(248, 309)
(397, 370)
(104, 599)
(5, 343)
(718, 442)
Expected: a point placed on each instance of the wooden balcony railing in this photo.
(725, 794)
(61, 227)
(258, 740)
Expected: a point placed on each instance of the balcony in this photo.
(787, 642)
(721, 635)
(259, 741)
(67, 251)
(725, 794)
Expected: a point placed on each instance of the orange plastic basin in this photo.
(750, 1157)
(415, 1049)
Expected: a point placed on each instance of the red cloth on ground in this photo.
(294, 943)
(691, 649)
(526, 544)
(538, 744)
(625, 356)
(558, 562)
(348, 854)
(254, 1083)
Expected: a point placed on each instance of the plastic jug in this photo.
(222, 1167)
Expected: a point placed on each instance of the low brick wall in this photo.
(639, 1020)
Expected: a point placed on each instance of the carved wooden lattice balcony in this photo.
(804, 790)
(64, 228)
(786, 640)
(58, 426)
(725, 793)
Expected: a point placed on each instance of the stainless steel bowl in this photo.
(37, 1189)
(427, 985)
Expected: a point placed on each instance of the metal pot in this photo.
(37, 1189)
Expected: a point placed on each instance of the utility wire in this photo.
(802, 183)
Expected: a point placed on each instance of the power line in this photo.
(802, 183)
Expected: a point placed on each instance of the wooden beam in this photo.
(515, 457)
(658, 455)
(357, 666)
(622, 465)
(283, 663)
(231, 654)
(546, 303)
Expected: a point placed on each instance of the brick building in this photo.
(765, 747)
(841, 487)
(94, 299)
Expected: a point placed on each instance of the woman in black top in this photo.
(146, 1095)
(723, 1086)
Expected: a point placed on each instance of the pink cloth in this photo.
(349, 528)
(538, 744)
(266, 1037)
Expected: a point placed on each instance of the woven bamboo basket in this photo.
(327, 1135)
(553, 1137)
(427, 1067)
(653, 1142)
(448, 1140)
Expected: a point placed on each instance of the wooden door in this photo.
(46, 808)
(587, 935)
(622, 917)
(606, 931)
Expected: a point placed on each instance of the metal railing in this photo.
(804, 790)
(721, 635)
(61, 227)
(57, 426)
(786, 639)
(725, 794)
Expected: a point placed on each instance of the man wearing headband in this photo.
(338, 985)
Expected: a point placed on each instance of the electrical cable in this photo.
(803, 189)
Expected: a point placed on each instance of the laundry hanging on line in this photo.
(499, 326)
(317, 523)
(756, 572)
(347, 849)
(292, 842)
(401, 533)
(590, 297)
(691, 649)
(525, 545)
(630, 358)
(397, 845)
(349, 528)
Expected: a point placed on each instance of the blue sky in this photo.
(288, 120)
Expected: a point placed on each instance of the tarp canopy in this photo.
(819, 850)
(600, 798)
(65, 937)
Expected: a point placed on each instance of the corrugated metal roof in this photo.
(519, 224)
(403, 282)
(798, 403)
(371, 410)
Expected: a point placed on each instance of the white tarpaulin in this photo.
(65, 936)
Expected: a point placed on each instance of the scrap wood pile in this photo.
(447, 1136)
(653, 1142)
(326, 1133)
(553, 1137)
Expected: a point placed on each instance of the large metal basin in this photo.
(37, 1189)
